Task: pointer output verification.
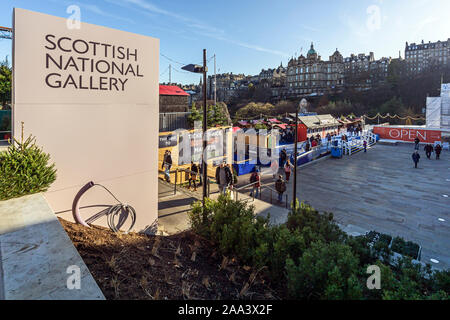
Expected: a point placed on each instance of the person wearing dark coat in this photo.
(416, 143)
(307, 146)
(193, 175)
(167, 164)
(428, 150)
(224, 177)
(283, 157)
(438, 150)
(415, 156)
(280, 187)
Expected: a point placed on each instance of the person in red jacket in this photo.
(438, 150)
(287, 170)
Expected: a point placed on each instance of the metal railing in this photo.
(178, 179)
(237, 190)
(261, 188)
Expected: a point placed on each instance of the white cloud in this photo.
(196, 26)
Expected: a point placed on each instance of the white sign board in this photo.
(90, 96)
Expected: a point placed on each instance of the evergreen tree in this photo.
(5, 83)
(194, 116)
(25, 169)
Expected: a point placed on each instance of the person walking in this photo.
(224, 177)
(274, 167)
(307, 146)
(283, 157)
(428, 150)
(255, 178)
(167, 164)
(365, 145)
(193, 176)
(438, 150)
(280, 187)
(416, 143)
(416, 157)
(287, 170)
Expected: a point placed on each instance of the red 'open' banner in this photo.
(407, 134)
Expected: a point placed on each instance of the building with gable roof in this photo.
(313, 76)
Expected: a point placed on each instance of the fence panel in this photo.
(171, 121)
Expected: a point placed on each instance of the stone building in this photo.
(173, 99)
(228, 85)
(420, 57)
(313, 76)
(362, 72)
(273, 79)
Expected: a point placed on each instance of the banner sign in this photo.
(90, 95)
(407, 134)
(169, 140)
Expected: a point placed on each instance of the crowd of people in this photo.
(428, 148)
(282, 169)
(287, 135)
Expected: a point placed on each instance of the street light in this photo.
(302, 105)
(199, 69)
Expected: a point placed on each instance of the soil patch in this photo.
(182, 266)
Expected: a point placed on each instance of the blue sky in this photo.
(247, 36)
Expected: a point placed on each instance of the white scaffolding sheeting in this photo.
(445, 106)
(433, 114)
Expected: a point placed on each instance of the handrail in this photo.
(246, 186)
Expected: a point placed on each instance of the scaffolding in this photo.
(433, 112)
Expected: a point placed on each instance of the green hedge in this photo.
(407, 248)
(24, 169)
(310, 257)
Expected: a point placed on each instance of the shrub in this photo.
(311, 257)
(313, 225)
(232, 226)
(412, 281)
(24, 169)
(407, 248)
(324, 271)
(282, 245)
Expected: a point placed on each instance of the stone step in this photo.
(37, 257)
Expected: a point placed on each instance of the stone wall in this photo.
(173, 103)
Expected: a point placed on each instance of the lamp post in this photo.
(303, 103)
(199, 69)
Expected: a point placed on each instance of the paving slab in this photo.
(381, 190)
(36, 252)
(173, 209)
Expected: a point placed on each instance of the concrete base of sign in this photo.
(35, 254)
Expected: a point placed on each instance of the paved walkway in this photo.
(35, 254)
(380, 190)
(173, 209)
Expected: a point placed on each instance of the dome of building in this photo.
(312, 51)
